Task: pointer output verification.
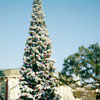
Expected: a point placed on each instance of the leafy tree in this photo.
(82, 68)
(37, 73)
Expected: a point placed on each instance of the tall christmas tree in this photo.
(37, 80)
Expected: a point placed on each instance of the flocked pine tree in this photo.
(37, 81)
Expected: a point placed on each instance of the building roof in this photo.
(9, 72)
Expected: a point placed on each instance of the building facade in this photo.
(3, 87)
(9, 83)
(9, 86)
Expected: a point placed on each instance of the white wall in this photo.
(13, 88)
(65, 92)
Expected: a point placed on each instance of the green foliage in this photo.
(82, 68)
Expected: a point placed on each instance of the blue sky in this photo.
(71, 23)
